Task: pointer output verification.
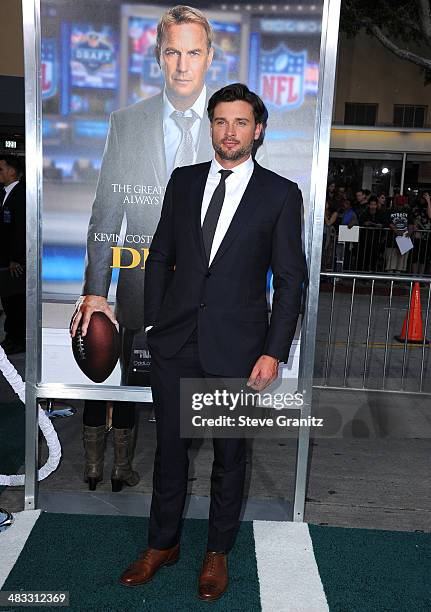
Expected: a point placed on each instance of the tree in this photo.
(402, 26)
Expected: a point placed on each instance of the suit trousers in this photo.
(123, 413)
(171, 461)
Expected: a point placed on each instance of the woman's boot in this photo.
(94, 447)
(122, 472)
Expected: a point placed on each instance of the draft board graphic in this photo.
(93, 60)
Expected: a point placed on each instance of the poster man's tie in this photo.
(185, 152)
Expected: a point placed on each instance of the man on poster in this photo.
(145, 142)
(223, 224)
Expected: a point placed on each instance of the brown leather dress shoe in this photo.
(147, 564)
(214, 578)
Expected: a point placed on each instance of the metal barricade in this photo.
(359, 317)
(376, 252)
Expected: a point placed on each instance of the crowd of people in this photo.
(381, 220)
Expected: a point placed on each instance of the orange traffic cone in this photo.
(412, 326)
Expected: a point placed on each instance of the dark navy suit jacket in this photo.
(227, 300)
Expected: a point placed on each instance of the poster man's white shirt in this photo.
(171, 131)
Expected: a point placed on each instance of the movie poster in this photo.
(109, 150)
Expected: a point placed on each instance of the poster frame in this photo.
(34, 185)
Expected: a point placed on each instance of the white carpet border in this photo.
(289, 579)
(12, 540)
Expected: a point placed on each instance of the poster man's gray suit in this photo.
(133, 160)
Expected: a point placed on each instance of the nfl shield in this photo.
(49, 68)
(282, 73)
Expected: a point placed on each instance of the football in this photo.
(97, 352)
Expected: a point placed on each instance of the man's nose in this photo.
(183, 63)
(230, 129)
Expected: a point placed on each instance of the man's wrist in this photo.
(276, 359)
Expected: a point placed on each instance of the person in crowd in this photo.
(370, 236)
(329, 236)
(340, 196)
(421, 256)
(348, 214)
(13, 253)
(398, 199)
(331, 192)
(381, 202)
(349, 217)
(360, 198)
(399, 220)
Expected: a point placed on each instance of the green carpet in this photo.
(12, 437)
(85, 554)
(367, 570)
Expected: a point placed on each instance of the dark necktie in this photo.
(213, 213)
(186, 149)
(2, 195)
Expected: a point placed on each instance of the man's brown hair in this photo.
(176, 16)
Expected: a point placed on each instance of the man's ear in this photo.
(258, 131)
(210, 57)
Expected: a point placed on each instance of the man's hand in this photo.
(85, 306)
(16, 269)
(265, 371)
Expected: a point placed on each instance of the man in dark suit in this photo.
(12, 253)
(223, 224)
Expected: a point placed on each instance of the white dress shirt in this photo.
(236, 184)
(8, 189)
(172, 132)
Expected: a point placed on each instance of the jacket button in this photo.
(203, 305)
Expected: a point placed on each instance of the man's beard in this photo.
(235, 154)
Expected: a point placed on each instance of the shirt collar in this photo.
(9, 188)
(240, 171)
(198, 106)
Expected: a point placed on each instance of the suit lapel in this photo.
(197, 189)
(248, 204)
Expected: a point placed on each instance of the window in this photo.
(360, 114)
(409, 115)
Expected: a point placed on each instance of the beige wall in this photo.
(11, 43)
(391, 139)
(367, 72)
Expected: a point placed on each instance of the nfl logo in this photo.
(282, 77)
(48, 68)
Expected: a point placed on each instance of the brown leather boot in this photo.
(122, 472)
(147, 564)
(94, 447)
(213, 580)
